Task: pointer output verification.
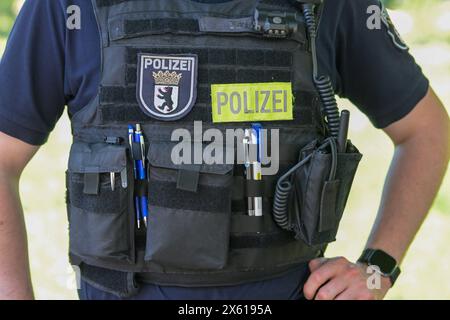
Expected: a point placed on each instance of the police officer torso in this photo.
(165, 65)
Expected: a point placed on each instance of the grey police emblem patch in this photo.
(391, 30)
(167, 85)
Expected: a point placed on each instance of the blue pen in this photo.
(257, 166)
(138, 138)
(138, 213)
(131, 139)
(257, 127)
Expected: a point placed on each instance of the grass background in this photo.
(425, 24)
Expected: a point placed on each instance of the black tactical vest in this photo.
(203, 236)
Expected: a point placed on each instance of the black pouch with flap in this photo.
(189, 212)
(320, 191)
(100, 219)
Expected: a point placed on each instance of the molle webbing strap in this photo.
(239, 206)
(122, 113)
(119, 104)
(106, 201)
(219, 75)
(160, 25)
(171, 197)
(119, 283)
(265, 3)
(244, 224)
(127, 95)
(243, 188)
(221, 56)
(255, 188)
(217, 66)
(261, 240)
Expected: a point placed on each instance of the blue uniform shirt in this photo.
(46, 67)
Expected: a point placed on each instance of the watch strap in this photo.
(394, 275)
(365, 258)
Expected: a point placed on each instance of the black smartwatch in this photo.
(387, 265)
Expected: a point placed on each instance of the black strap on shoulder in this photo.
(130, 28)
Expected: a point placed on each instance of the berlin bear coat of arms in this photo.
(167, 85)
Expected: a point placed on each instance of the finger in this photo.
(332, 289)
(324, 273)
(316, 263)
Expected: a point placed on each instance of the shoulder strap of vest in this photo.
(312, 10)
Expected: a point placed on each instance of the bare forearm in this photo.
(15, 280)
(413, 180)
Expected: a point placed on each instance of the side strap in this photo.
(260, 241)
(121, 284)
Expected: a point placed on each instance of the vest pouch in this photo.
(346, 169)
(321, 188)
(100, 220)
(189, 212)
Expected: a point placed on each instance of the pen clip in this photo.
(124, 178)
(246, 146)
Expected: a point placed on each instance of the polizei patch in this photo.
(167, 85)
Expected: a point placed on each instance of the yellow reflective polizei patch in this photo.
(249, 102)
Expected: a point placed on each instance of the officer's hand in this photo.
(339, 279)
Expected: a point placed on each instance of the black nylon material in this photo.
(210, 250)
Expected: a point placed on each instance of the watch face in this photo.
(383, 261)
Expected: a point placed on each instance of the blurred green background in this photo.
(425, 25)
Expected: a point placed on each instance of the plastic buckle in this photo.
(113, 140)
(275, 24)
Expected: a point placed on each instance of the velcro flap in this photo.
(91, 183)
(167, 155)
(97, 158)
(187, 179)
